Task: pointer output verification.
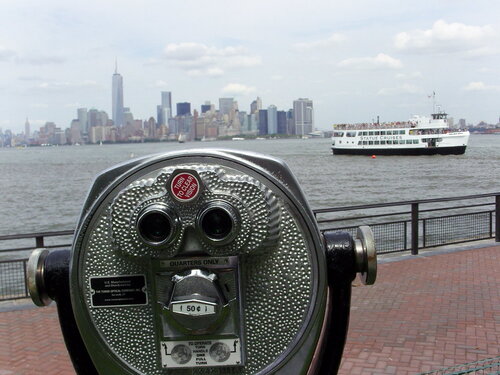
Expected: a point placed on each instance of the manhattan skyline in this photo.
(355, 61)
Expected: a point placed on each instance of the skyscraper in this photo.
(117, 97)
(281, 117)
(263, 122)
(256, 105)
(26, 129)
(272, 120)
(166, 105)
(82, 118)
(159, 116)
(303, 115)
(290, 122)
(226, 105)
(205, 108)
(183, 109)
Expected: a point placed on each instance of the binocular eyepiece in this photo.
(202, 262)
(156, 225)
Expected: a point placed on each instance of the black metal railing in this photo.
(40, 240)
(13, 279)
(13, 271)
(416, 226)
(421, 223)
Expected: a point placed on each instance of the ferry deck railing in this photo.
(397, 226)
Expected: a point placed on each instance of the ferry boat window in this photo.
(408, 141)
(382, 142)
(359, 143)
(377, 143)
(389, 132)
(351, 134)
(415, 141)
(370, 133)
(365, 133)
(401, 132)
(338, 134)
(440, 139)
(377, 133)
(389, 142)
(370, 142)
(382, 132)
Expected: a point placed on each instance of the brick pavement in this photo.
(422, 314)
(426, 313)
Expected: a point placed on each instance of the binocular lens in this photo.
(155, 227)
(217, 223)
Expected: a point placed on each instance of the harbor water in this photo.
(43, 188)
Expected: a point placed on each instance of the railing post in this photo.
(491, 224)
(25, 264)
(39, 242)
(423, 233)
(414, 228)
(497, 218)
(406, 236)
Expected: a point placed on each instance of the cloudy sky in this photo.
(355, 59)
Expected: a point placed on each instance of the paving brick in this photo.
(436, 311)
(422, 314)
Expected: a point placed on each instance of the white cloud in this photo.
(29, 78)
(446, 37)
(481, 86)
(40, 105)
(200, 59)
(332, 40)
(409, 76)
(185, 51)
(210, 72)
(214, 72)
(67, 85)
(381, 61)
(6, 54)
(405, 89)
(194, 72)
(73, 105)
(159, 84)
(241, 61)
(485, 69)
(40, 60)
(238, 89)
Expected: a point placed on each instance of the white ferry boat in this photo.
(418, 136)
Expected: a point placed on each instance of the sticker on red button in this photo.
(185, 187)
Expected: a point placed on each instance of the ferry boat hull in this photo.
(455, 150)
(418, 136)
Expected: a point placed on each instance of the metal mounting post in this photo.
(414, 229)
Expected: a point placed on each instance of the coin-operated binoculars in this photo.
(202, 262)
